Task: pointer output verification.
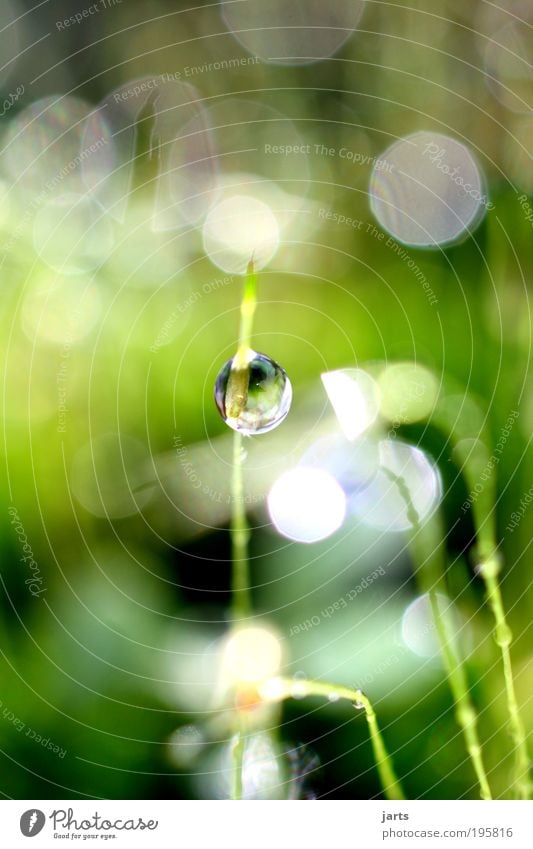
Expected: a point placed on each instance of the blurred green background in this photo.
(114, 456)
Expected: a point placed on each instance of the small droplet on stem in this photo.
(255, 396)
(298, 688)
(357, 703)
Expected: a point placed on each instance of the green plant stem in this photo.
(240, 532)
(489, 569)
(426, 544)
(248, 307)
(465, 712)
(306, 687)
(427, 549)
(489, 561)
(474, 457)
(239, 746)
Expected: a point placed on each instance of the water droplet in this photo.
(491, 567)
(298, 686)
(357, 703)
(254, 398)
(333, 697)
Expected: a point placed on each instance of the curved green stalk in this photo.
(503, 637)
(427, 549)
(474, 457)
(287, 687)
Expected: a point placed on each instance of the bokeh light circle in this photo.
(295, 33)
(427, 190)
(517, 155)
(60, 310)
(251, 654)
(111, 477)
(306, 504)
(72, 234)
(419, 632)
(408, 392)
(353, 463)
(238, 229)
(404, 491)
(43, 146)
(355, 397)
(185, 745)
(161, 119)
(509, 66)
